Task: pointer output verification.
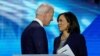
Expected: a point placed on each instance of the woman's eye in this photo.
(60, 20)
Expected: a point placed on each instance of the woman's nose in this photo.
(59, 24)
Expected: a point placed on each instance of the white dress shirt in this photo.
(39, 21)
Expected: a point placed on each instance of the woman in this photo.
(70, 34)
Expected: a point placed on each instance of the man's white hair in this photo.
(43, 8)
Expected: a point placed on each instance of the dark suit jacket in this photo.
(76, 43)
(34, 40)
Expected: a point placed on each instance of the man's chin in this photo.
(46, 24)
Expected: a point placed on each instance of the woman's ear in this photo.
(70, 28)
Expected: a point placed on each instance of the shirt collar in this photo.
(39, 21)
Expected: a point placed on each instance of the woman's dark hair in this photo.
(72, 20)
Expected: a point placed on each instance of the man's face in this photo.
(49, 17)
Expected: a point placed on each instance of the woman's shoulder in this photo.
(77, 36)
(77, 39)
(57, 38)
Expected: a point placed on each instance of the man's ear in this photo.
(46, 15)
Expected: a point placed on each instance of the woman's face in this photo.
(63, 23)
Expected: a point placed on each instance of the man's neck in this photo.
(39, 21)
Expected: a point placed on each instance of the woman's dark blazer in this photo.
(75, 41)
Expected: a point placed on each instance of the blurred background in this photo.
(15, 15)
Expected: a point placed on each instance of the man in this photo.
(34, 39)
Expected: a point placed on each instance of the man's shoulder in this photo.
(34, 25)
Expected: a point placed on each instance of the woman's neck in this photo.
(64, 35)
